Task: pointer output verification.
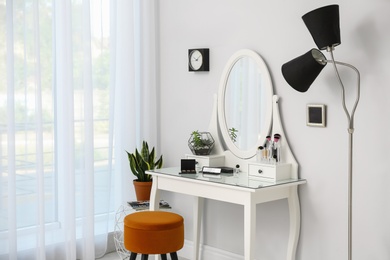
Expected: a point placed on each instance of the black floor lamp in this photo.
(324, 26)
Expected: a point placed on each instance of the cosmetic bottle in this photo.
(264, 155)
(259, 154)
(276, 153)
(268, 146)
(198, 168)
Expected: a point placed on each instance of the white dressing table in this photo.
(246, 103)
(236, 189)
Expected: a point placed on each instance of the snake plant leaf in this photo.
(152, 157)
(133, 165)
(141, 161)
(159, 163)
(145, 151)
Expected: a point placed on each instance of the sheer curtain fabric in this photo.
(73, 97)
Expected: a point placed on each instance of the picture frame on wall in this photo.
(316, 115)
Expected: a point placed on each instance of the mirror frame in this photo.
(251, 152)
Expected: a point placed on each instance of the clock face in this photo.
(196, 60)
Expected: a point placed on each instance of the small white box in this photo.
(208, 160)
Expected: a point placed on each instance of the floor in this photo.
(115, 256)
(111, 256)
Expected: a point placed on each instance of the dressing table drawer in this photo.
(269, 172)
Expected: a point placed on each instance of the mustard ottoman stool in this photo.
(153, 233)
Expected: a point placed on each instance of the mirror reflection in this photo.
(245, 103)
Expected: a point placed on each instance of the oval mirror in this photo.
(245, 103)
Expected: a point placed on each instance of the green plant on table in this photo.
(201, 143)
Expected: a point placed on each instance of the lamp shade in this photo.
(301, 72)
(324, 26)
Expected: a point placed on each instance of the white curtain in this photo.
(78, 86)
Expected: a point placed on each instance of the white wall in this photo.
(275, 30)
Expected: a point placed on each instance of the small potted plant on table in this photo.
(139, 163)
(201, 143)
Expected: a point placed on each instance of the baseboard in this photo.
(207, 252)
(110, 243)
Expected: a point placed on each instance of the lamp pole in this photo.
(350, 117)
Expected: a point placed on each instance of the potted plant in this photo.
(201, 143)
(139, 163)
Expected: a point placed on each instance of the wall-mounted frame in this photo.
(316, 115)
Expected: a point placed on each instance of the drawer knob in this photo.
(260, 171)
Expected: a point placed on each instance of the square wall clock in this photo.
(198, 60)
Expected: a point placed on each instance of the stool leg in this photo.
(164, 257)
(133, 256)
(144, 257)
(174, 256)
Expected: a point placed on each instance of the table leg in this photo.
(295, 222)
(249, 230)
(154, 203)
(198, 214)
